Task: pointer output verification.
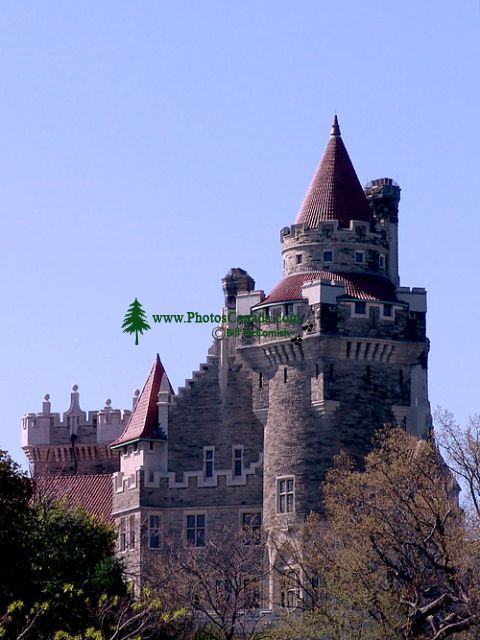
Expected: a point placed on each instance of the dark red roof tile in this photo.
(93, 493)
(335, 192)
(143, 422)
(357, 285)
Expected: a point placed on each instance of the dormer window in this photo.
(327, 256)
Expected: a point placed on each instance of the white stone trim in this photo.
(231, 480)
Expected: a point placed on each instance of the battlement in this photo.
(49, 437)
(357, 248)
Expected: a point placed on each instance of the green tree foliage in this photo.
(60, 579)
(135, 320)
(15, 516)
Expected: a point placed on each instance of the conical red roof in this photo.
(335, 192)
(143, 423)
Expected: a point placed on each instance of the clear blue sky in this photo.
(149, 146)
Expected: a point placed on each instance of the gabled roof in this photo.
(335, 192)
(93, 493)
(357, 285)
(143, 422)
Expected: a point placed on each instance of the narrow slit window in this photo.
(154, 532)
(208, 462)
(238, 461)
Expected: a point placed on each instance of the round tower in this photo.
(355, 362)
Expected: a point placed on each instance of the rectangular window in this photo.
(299, 258)
(154, 532)
(131, 532)
(387, 310)
(289, 589)
(360, 308)
(122, 534)
(359, 257)
(196, 530)
(286, 495)
(327, 256)
(381, 261)
(251, 527)
(237, 461)
(276, 313)
(208, 462)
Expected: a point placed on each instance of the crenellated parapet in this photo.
(354, 249)
(74, 441)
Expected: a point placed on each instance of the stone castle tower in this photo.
(249, 438)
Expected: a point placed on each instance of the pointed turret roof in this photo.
(143, 423)
(335, 192)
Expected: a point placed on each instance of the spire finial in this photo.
(335, 130)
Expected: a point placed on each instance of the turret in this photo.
(143, 442)
(383, 196)
(356, 361)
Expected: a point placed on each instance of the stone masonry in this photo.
(249, 438)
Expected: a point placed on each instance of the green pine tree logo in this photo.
(134, 321)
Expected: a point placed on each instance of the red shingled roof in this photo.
(357, 285)
(143, 422)
(335, 192)
(93, 493)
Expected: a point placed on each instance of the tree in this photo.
(219, 584)
(462, 450)
(15, 523)
(393, 557)
(135, 320)
(71, 556)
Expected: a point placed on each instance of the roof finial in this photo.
(335, 130)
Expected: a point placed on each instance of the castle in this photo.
(249, 438)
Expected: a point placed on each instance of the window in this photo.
(286, 493)
(251, 527)
(289, 309)
(360, 308)
(381, 261)
(238, 461)
(327, 229)
(289, 589)
(327, 256)
(154, 532)
(260, 380)
(208, 460)
(122, 534)
(387, 310)
(361, 231)
(285, 374)
(131, 532)
(299, 258)
(196, 530)
(359, 257)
